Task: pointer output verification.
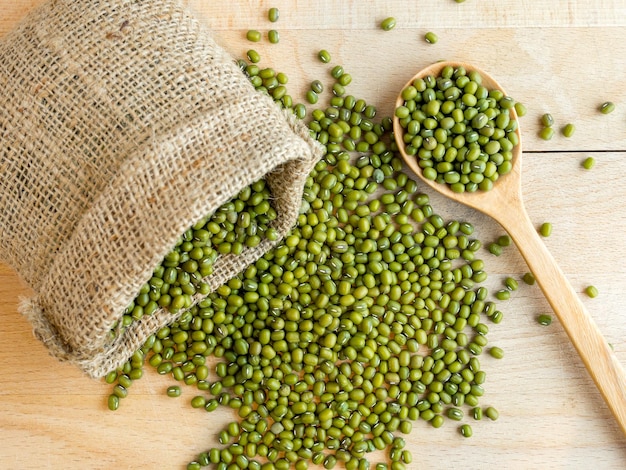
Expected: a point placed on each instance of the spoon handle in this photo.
(599, 359)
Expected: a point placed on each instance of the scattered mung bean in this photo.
(323, 332)
(492, 413)
(547, 120)
(528, 278)
(253, 35)
(431, 38)
(607, 107)
(273, 14)
(588, 163)
(273, 36)
(546, 133)
(544, 319)
(388, 23)
(324, 56)
(466, 430)
(511, 283)
(496, 352)
(546, 229)
(591, 291)
(568, 130)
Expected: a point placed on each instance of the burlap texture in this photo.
(122, 123)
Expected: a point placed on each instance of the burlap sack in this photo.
(122, 123)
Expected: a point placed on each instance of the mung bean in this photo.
(544, 319)
(319, 340)
(588, 163)
(273, 36)
(388, 23)
(607, 107)
(253, 35)
(273, 14)
(591, 291)
(546, 229)
(431, 38)
(546, 133)
(529, 278)
(568, 130)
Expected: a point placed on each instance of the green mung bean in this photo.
(431, 38)
(273, 36)
(544, 319)
(503, 294)
(273, 14)
(388, 23)
(528, 278)
(546, 133)
(511, 284)
(324, 56)
(591, 291)
(496, 352)
(495, 249)
(568, 130)
(588, 163)
(504, 240)
(253, 35)
(545, 229)
(492, 413)
(607, 107)
(547, 120)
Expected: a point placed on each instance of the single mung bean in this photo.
(547, 120)
(273, 14)
(492, 413)
(591, 291)
(528, 278)
(546, 229)
(253, 35)
(466, 430)
(388, 23)
(431, 38)
(324, 56)
(273, 36)
(568, 130)
(544, 319)
(496, 352)
(607, 107)
(495, 249)
(520, 109)
(504, 240)
(546, 133)
(511, 283)
(503, 294)
(588, 163)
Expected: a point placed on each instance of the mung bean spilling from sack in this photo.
(461, 133)
(367, 317)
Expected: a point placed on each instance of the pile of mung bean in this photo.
(461, 133)
(241, 222)
(367, 317)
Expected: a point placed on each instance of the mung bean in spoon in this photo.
(458, 132)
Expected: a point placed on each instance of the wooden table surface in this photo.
(563, 57)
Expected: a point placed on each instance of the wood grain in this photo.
(562, 57)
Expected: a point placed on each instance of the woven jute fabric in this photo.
(123, 123)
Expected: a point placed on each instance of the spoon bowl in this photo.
(504, 204)
(488, 202)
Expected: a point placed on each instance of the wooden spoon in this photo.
(504, 204)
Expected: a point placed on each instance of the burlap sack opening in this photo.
(122, 123)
